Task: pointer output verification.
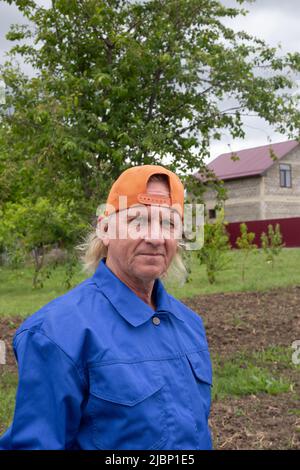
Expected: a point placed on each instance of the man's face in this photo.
(152, 242)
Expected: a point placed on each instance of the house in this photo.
(263, 187)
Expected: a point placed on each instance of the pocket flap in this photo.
(125, 384)
(201, 365)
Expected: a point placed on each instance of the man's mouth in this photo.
(151, 254)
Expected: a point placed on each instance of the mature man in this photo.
(117, 362)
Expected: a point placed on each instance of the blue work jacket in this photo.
(100, 369)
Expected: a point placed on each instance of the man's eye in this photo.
(138, 219)
(168, 223)
(142, 220)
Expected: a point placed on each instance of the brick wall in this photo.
(283, 202)
(243, 199)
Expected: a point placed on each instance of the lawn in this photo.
(8, 385)
(17, 296)
(259, 274)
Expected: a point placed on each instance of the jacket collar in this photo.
(127, 303)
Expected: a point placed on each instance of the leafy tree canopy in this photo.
(120, 83)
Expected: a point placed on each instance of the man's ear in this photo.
(105, 236)
(102, 232)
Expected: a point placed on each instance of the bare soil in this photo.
(249, 322)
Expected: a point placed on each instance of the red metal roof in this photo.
(250, 162)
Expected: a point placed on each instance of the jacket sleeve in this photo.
(49, 397)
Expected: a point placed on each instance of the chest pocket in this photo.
(201, 368)
(127, 407)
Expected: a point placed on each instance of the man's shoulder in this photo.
(194, 323)
(188, 313)
(63, 316)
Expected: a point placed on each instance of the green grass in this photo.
(234, 381)
(276, 355)
(17, 297)
(259, 275)
(250, 374)
(8, 384)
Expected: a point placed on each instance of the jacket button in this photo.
(156, 320)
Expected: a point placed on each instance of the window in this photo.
(285, 173)
(212, 213)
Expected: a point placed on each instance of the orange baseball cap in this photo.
(132, 183)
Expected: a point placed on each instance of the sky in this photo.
(275, 21)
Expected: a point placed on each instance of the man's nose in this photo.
(155, 234)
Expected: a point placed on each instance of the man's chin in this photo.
(149, 272)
